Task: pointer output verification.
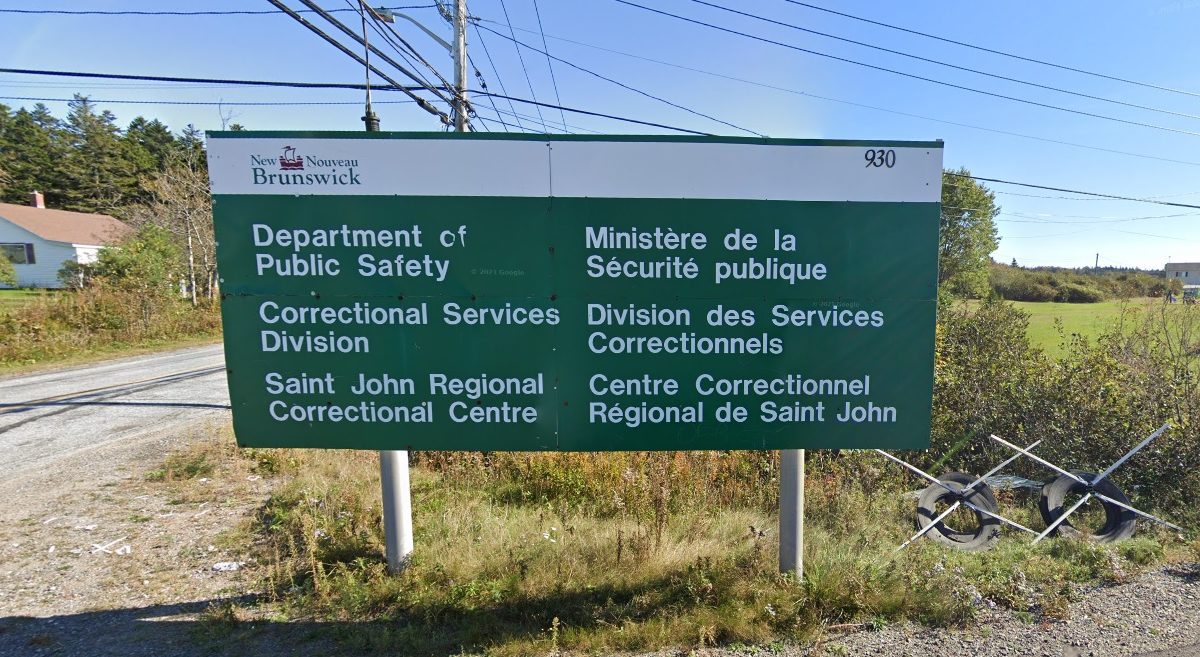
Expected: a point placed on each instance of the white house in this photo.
(38, 240)
(1187, 273)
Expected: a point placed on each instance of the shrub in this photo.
(1071, 285)
(1090, 406)
(8, 273)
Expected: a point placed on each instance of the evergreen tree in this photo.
(151, 138)
(191, 145)
(99, 172)
(148, 145)
(29, 154)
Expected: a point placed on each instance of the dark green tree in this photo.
(44, 118)
(29, 154)
(99, 172)
(148, 144)
(968, 235)
(191, 142)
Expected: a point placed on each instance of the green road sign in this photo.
(530, 292)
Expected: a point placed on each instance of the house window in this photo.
(18, 254)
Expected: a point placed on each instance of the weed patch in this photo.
(178, 467)
(636, 552)
(70, 324)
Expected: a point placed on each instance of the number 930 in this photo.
(880, 157)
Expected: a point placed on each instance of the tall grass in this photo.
(97, 319)
(521, 554)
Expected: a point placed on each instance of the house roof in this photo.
(66, 226)
(1172, 266)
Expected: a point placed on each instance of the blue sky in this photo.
(1151, 41)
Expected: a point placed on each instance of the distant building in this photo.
(1187, 273)
(38, 240)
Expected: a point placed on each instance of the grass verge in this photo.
(13, 299)
(71, 327)
(521, 554)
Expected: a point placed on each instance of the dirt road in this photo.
(51, 417)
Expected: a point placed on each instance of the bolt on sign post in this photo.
(443, 291)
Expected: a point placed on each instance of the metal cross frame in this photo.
(958, 493)
(1091, 491)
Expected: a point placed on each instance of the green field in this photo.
(1085, 319)
(10, 299)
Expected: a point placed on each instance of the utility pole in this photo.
(460, 65)
(369, 119)
(1097, 267)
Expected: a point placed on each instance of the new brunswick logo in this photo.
(312, 170)
(288, 161)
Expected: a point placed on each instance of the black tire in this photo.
(982, 537)
(1119, 523)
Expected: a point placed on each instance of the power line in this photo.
(910, 75)
(1073, 198)
(378, 22)
(1165, 237)
(39, 84)
(571, 126)
(496, 72)
(851, 103)
(1034, 237)
(521, 58)
(1075, 191)
(591, 113)
(1062, 198)
(1044, 218)
(224, 81)
(500, 114)
(942, 63)
(362, 42)
(1076, 198)
(549, 64)
(647, 94)
(1036, 219)
(421, 102)
(994, 51)
(484, 120)
(392, 43)
(204, 102)
(403, 54)
(90, 12)
(483, 85)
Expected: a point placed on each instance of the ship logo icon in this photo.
(289, 161)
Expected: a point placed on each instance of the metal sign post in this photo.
(791, 512)
(397, 508)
